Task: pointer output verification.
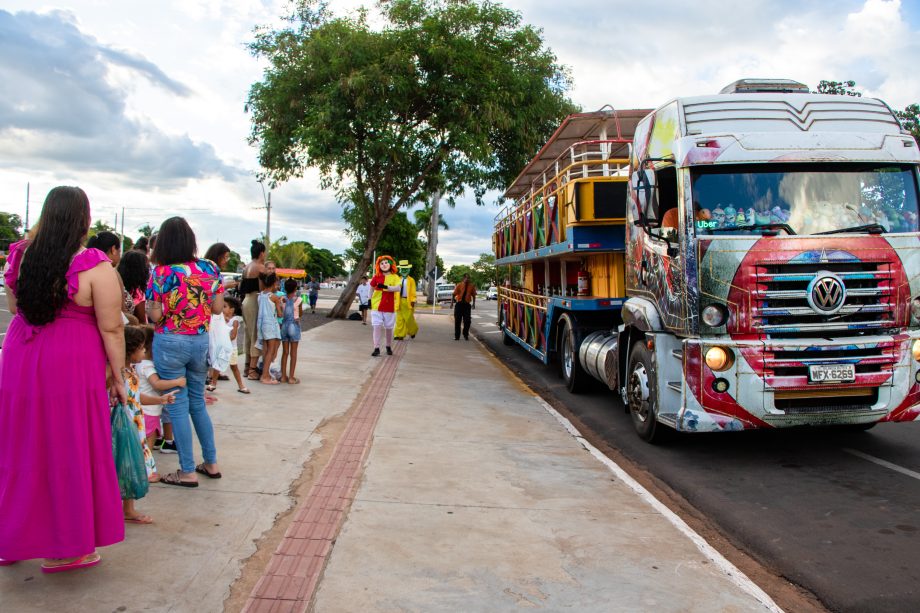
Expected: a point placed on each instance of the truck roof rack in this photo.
(605, 124)
(771, 86)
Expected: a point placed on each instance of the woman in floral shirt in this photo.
(182, 293)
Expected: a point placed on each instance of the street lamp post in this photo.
(267, 199)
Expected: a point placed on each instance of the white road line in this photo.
(881, 462)
(733, 572)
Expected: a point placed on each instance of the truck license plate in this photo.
(831, 373)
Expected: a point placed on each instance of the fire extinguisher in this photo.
(584, 283)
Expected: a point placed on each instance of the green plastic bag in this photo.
(129, 455)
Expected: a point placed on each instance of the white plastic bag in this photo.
(220, 347)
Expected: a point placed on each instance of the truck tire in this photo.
(506, 338)
(575, 378)
(642, 396)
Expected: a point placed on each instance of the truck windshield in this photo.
(806, 198)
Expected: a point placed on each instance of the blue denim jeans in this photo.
(186, 355)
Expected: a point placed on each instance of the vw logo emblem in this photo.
(826, 293)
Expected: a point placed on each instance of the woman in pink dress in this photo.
(59, 496)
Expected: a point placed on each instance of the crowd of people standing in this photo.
(131, 338)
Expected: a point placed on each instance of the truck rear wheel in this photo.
(506, 338)
(642, 395)
(576, 379)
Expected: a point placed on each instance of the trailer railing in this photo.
(538, 219)
(524, 315)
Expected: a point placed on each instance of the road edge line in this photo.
(734, 574)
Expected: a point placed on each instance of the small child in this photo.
(290, 331)
(134, 352)
(151, 385)
(268, 328)
(233, 315)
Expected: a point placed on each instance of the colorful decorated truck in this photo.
(749, 260)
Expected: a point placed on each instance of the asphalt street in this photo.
(837, 513)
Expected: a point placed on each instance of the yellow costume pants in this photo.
(405, 320)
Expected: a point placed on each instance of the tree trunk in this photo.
(431, 258)
(341, 308)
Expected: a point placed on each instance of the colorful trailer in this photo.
(768, 273)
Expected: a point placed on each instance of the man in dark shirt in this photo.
(464, 302)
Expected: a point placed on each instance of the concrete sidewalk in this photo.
(437, 482)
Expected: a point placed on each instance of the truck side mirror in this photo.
(645, 188)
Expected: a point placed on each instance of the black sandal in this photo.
(200, 469)
(176, 479)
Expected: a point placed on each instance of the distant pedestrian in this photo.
(384, 302)
(141, 245)
(464, 302)
(219, 253)
(290, 331)
(313, 288)
(364, 299)
(268, 326)
(134, 270)
(405, 315)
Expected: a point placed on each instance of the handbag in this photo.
(128, 454)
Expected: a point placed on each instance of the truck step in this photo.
(678, 353)
(675, 385)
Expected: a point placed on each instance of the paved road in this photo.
(5, 316)
(837, 513)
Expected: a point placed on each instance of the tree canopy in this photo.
(446, 94)
(909, 117)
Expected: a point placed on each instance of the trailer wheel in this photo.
(506, 338)
(642, 395)
(576, 379)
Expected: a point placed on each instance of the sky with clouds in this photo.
(142, 103)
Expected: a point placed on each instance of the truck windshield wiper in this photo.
(871, 228)
(759, 226)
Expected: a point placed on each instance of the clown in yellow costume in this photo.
(405, 314)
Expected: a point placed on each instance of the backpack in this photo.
(355, 317)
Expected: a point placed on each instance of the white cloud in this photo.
(142, 103)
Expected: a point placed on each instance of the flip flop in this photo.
(200, 469)
(144, 520)
(90, 559)
(293, 380)
(272, 382)
(176, 479)
(245, 390)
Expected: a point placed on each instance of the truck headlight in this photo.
(714, 315)
(915, 349)
(720, 358)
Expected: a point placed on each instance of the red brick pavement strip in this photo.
(294, 571)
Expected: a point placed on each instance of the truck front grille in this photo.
(781, 307)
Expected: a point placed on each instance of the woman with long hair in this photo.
(59, 496)
(182, 293)
(134, 270)
(249, 293)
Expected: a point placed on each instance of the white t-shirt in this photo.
(144, 370)
(364, 293)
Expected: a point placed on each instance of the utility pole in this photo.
(26, 228)
(431, 257)
(268, 214)
(122, 245)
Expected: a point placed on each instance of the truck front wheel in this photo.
(642, 395)
(576, 379)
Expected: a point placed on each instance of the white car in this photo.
(444, 291)
(492, 293)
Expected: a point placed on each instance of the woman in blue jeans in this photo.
(182, 293)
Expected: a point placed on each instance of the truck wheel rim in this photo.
(567, 354)
(638, 392)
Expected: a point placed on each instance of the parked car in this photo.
(234, 277)
(492, 293)
(444, 291)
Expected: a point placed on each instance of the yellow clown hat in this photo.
(404, 264)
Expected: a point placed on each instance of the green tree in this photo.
(840, 88)
(146, 230)
(235, 263)
(400, 240)
(486, 272)
(288, 255)
(444, 94)
(10, 229)
(456, 272)
(910, 119)
(100, 226)
(126, 243)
